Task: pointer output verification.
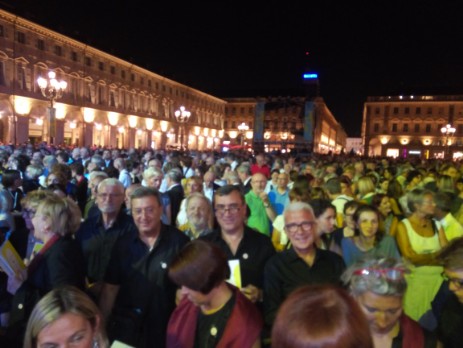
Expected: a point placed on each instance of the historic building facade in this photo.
(283, 124)
(112, 103)
(404, 126)
(107, 102)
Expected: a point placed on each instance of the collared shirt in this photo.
(278, 200)
(124, 178)
(253, 252)
(189, 233)
(208, 192)
(97, 242)
(145, 288)
(258, 218)
(286, 271)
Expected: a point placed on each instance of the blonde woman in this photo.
(59, 262)
(366, 189)
(65, 314)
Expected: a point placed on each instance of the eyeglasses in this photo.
(29, 212)
(305, 226)
(458, 283)
(222, 209)
(388, 273)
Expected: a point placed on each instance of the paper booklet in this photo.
(10, 261)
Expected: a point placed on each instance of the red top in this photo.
(243, 327)
(265, 169)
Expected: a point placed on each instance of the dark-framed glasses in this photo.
(305, 226)
(457, 282)
(388, 273)
(222, 209)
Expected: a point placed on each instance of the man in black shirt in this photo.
(98, 233)
(302, 264)
(239, 242)
(137, 295)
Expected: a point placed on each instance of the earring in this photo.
(95, 343)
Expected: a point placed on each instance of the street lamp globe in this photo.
(243, 127)
(52, 89)
(182, 115)
(447, 131)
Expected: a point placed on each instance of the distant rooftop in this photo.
(416, 98)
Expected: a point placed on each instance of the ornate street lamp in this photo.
(52, 89)
(243, 128)
(447, 131)
(182, 115)
(284, 138)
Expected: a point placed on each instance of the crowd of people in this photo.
(153, 248)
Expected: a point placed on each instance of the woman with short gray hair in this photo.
(379, 285)
(420, 238)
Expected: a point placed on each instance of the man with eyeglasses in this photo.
(240, 243)
(99, 232)
(302, 264)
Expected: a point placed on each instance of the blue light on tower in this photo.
(310, 76)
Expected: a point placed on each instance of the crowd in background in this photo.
(378, 227)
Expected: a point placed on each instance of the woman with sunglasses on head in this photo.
(368, 240)
(420, 239)
(378, 285)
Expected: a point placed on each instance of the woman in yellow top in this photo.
(420, 239)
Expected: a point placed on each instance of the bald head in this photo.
(258, 183)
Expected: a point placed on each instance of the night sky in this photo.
(256, 48)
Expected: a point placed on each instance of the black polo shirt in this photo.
(145, 288)
(253, 252)
(97, 242)
(286, 271)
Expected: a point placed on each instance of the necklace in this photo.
(421, 223)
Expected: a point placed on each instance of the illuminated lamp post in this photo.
(447, 132)
(284, 137)
(243, 128)
(182, 116)
(52, 89)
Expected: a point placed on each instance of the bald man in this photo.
(261, 211)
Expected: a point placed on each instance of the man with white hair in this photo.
(199, 216)
(302, 264)
(84, 155)
(98, 233)
(75, 155)
(124, 175)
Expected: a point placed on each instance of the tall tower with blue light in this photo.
(312, 91)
